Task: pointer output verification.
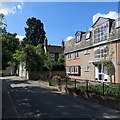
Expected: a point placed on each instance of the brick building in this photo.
(84, 54)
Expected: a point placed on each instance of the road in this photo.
(34, 101)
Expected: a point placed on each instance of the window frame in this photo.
(86, 69)
(78, 38)
(69, 56)
(101, 33)
(68, 70)
(87, 51)
(100, 54)
(75, 55)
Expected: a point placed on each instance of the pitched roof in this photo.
(54, 49)
(72, 46)
(101, 20)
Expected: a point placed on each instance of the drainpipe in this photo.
(89, 72)
(116, 73)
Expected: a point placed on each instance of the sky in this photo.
(61, 19)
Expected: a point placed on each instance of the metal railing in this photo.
(97, 87)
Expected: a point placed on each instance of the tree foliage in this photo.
(31, 56)
(35, 33)
(108, 59)
(9, 45)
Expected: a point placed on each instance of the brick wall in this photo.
(44, 74)
(71, 63)
(118, 61)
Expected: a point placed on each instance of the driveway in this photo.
(34, 101)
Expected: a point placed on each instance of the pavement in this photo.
(8, 107)
(30, 100)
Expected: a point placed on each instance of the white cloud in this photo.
(69, 38)
(9, 7)
(20, 37)
(19, 6)
(111, 14)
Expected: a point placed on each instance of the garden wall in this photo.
(108, 101)
(9, 71)
(44, 74)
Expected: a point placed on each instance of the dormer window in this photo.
(100, 33)
(78, 38)
(88, 35)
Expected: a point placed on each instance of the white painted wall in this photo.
(22, 70)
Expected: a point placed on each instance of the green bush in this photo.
(109, 90)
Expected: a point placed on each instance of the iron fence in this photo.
(97, 87)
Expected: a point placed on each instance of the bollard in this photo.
(66, 82)
(75, 84)
(87, 86)
(103, 88)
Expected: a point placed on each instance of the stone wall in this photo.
(9, 71)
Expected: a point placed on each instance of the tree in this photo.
(9, 45)
(61, 60)
(48, 64)
(60, 63)
(30, 56)
(35, 33)
(108, 59)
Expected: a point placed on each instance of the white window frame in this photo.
(87, 36)
(73, 70)
(87, 51)
(100, 33)
(76, 70)
(75, 55)
(100, 54)
(69, 56)
(52, 55)
(68, 70)
(78, 38)
(86, 68)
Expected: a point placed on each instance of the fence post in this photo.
(75, 84)
(59, 81)
(103, 88)
(66, 82)
(87, 86)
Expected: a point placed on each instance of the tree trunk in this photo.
(110, 83)
(50, 76)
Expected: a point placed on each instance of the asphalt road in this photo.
(34, 101)
(8, 107)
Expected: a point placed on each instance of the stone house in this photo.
(84, 54)
(54, 50)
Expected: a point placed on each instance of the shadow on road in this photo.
(38, 102)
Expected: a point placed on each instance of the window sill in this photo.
(75, 58)
(74, 73)
(87, 54)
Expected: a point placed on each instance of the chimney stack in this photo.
(62, 44)
(45, 41)
(45, 44)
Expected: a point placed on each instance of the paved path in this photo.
(33, 101)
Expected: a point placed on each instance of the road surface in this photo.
(34, 101)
